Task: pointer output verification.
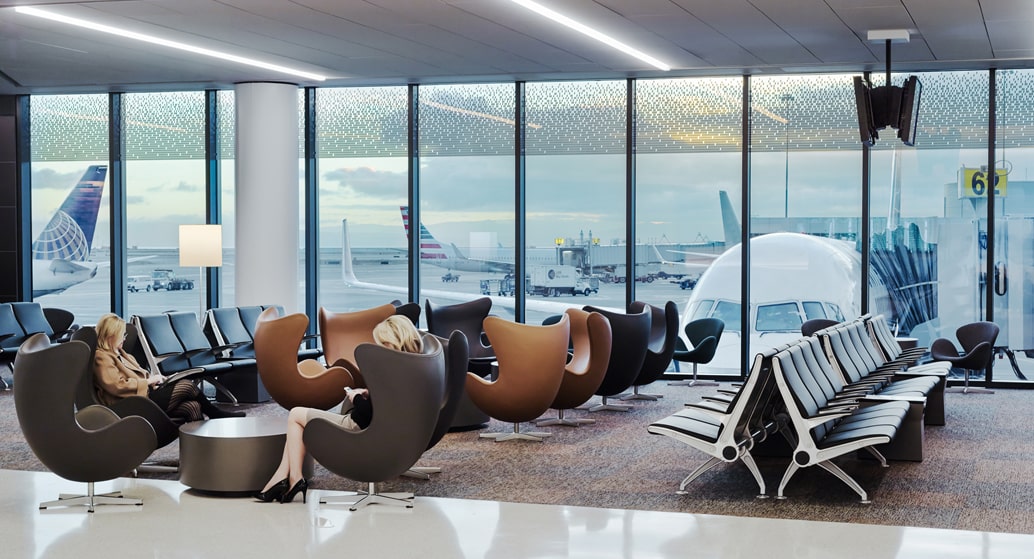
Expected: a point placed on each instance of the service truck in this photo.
(166, 279)
(556, 280)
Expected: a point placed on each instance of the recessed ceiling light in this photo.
(585, 29)
(166, 43)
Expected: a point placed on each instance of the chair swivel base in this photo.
(605, 406)
(967, 389)
(90, 500)
(564, 421)
(517, 434)
(422, 472)
(636, 395)
(693, 381)
(370, 497)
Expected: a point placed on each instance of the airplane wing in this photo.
(67, 267)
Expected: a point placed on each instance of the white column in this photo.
(267, 195)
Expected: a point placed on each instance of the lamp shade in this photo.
(201, 245)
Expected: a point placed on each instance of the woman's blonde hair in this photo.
(397, 332)
(110, 328)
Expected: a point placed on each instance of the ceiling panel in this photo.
(442, 41)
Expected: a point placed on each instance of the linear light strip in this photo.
(165, 42)
(585, 29)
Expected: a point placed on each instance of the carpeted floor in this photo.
(978, 471)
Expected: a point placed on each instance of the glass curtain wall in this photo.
(165, 188)
(688, 161)
(362, 150)
(70, 208)
(466, 192)
(225, 103)
(1014, 224)
(575, 196)
(928, 211)
(806, 205)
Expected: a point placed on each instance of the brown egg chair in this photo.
(531, 367)
(342, 332)
(591, 340)
(290, 382)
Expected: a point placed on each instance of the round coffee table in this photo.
(233, 454)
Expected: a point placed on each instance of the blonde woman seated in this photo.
(395, 332)
(118, 375)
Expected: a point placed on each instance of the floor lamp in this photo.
(201, 246)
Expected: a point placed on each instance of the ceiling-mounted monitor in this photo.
(909, 119)
(866, 122)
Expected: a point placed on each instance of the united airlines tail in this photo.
(61, 252)
(69, 234)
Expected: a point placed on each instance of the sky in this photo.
(567, 196)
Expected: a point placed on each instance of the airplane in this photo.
(61, 252)
(804, 277)
(349, 278)
(432, 251)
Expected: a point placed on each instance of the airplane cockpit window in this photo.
(729, 313)
(833, 310)
(781, 317)
(702, 309)
(813, 309)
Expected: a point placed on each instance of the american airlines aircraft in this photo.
(61, 253)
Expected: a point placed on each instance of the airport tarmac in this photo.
(90, 299)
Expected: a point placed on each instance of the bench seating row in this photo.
(20, 320)
(824, 398)
(175, 345)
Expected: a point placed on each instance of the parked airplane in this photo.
(61, 253)
(349, 278)
(798, 277)
(449, 256)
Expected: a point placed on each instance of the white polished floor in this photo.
(176, 522)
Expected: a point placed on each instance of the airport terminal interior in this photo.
(862, 162)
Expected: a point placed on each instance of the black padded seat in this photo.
(695, 423)
(32, 319)
(664, 330)
(823, 429)
(728, 432)
(631, 337)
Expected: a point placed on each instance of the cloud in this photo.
(364, 181)
(49, 179)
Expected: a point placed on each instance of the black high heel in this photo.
(302, 486)
(274, 493)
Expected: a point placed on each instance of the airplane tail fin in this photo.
(69, 233)
(347, 271)
(730, 224)
(430, 247)
(657, 252)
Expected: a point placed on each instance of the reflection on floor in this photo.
(178, 522)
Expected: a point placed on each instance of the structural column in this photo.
(267, 195)
(14, 261)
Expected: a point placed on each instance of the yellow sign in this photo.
(973, 183)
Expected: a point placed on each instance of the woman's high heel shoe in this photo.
(274, 493)
(302, 486)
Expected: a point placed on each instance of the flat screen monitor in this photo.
(909, 119)
(863, 101)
